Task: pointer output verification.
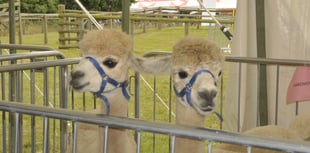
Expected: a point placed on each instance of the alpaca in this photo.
(298, 130)
(107, 56)
(300, 124)
(269, 131)
(195, 67)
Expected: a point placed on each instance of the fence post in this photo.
(186, 28)
(61, 10)
(45, 29)
(144, 23)
(125, 16)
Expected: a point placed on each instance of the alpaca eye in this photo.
(110, 63)
(183, 74)
(220, 73)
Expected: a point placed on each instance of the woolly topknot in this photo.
(106, 42)
(193, 51)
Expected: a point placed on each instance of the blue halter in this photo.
(106, 79)
(186, 91)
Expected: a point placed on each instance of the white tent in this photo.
(287, 35)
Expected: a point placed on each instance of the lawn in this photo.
(156, 40)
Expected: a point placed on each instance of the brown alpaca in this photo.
(107, 56)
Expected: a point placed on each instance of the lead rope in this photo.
(224, 29)
(89, 15)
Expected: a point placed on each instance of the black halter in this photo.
(106, 79)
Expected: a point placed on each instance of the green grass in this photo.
(156, 40)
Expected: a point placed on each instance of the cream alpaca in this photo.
(106, 59)
(298, 130)
(195, 66)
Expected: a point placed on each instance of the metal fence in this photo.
(154, 127)
(47, 125)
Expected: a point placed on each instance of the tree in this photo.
(39, 6)
(50, 6)
(96, 5)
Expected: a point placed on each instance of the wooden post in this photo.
(125, 15)
(61, 11)
(45, 31)
(144, 23)
(159, 23)
(186, 27)
(20, 35)
(261, 53)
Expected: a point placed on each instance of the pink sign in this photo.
(299, 87)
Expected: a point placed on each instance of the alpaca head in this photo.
(111, 50)
(196, 67)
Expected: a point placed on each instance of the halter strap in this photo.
(106, 79)
(186, 91)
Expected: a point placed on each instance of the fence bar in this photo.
(258, 102)
(32, 101)
(277, 95)
(25, 47)
(63, 99)
(3, 132)
(172, 144)
(154, 112)
(17, 133)
(161, 128)
(106, 137)
(239, 95)
(249, 149)
(35, 65)
(138, 140)
(268, 61)
(210, 146)
(46, 136)
(74, 144)
(9, 57)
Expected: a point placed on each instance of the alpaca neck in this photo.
(117, 137)
(186, 115)
(118, 104)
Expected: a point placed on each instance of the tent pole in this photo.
(262, 72)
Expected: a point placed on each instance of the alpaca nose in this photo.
(76, 74)
(207, 96)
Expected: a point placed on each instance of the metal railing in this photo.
(156, 127)
(273, 64)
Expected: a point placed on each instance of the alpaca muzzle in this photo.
(207, 100)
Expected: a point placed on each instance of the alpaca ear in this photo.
(154, 66)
